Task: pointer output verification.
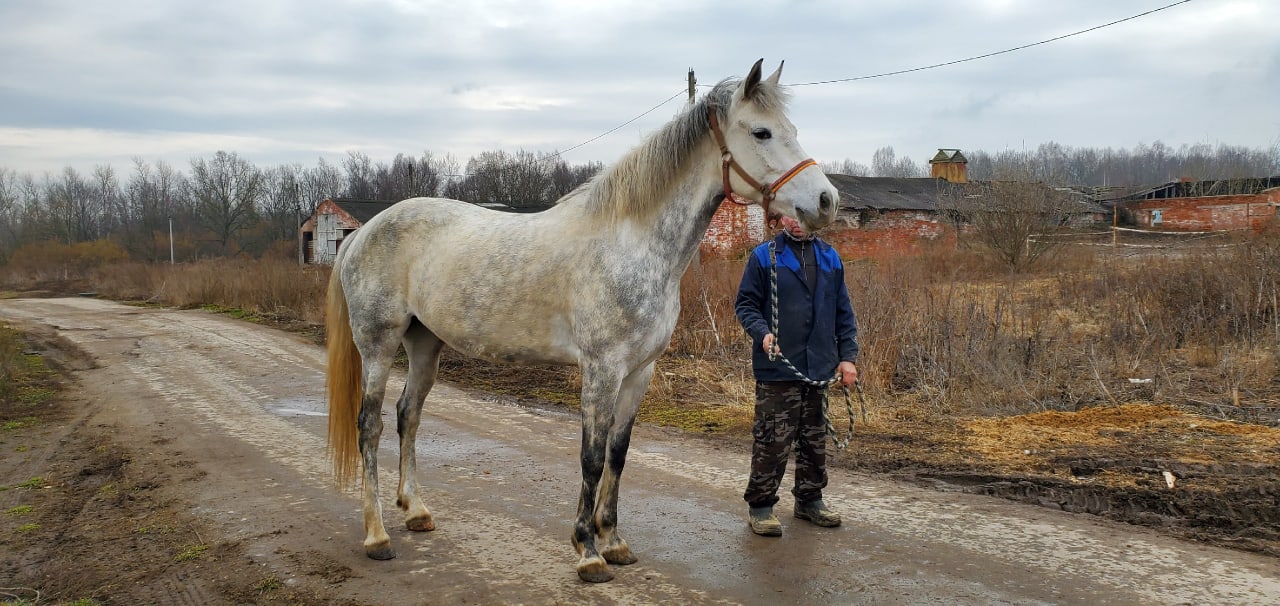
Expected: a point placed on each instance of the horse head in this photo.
(762, 160)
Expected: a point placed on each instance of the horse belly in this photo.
(497, 338)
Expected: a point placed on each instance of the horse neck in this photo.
(679, 221)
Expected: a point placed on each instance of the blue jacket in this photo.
(815, 332)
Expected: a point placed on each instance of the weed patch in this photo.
(190, 552)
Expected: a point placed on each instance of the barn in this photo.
(334, 219)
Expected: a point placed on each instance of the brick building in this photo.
(1218, 205)
(878, 215)
(889, 216)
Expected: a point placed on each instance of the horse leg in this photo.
(600, 385)
(423, 350)
(377, 365)
(615, 550)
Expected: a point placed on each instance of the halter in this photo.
(727, 162)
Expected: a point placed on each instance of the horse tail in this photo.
(343, 384)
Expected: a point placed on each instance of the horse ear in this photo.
(776, 75)
(753, 80)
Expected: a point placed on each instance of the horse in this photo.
(593, 281)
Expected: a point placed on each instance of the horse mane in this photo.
(639, 182)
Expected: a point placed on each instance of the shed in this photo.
(334, 219)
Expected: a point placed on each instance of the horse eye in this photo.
(761, 133)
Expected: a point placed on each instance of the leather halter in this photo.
(727, 162)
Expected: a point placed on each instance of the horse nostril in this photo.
(824, 201)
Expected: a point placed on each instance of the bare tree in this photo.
(1143, 165)
(361, 176)
(281, 202)
(10, 214)
(70, 204)
(885, 163)
(107, 201)
(846, 167)
(317, 184)
(1013, 219)
(225, 191)
(566, 177)
(518, 180)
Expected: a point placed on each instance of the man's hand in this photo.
(769, 346)
(848, 373)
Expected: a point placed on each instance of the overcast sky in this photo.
(85, 83)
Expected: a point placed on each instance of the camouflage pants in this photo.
(787, 413)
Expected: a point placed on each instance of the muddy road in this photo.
(239, 410)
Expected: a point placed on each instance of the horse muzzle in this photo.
(822, 214)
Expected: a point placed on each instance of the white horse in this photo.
(593, 281)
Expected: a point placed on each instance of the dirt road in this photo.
(236, 411)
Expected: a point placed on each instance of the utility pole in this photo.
(171, 241)
(1115, 223)
(693, 85)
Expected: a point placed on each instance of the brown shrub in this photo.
(1079, 327)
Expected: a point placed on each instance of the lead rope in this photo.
(776, 355)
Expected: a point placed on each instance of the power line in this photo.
(868, 77)
(558, 154)
(645, 113)
(1007, 50)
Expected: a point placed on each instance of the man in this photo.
(817, 332)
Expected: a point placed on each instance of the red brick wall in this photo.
(889, 233)
(734, 230)
(1209, 213)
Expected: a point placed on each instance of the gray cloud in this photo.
(305, 79)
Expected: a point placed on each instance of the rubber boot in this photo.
(817, 513)
(764, 523)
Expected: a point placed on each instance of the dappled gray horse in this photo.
(593, 281)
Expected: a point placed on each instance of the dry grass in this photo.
(276, 289)
(1046, 442)
(950, 331)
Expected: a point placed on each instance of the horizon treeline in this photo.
(226, 205)
(1062, 165)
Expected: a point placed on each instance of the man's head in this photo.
(794, 229)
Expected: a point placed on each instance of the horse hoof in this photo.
(594, 570)
(422, 524)
(620, 555)
(380, 552)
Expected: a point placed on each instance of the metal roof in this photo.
(362, 210)
(889, 193)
